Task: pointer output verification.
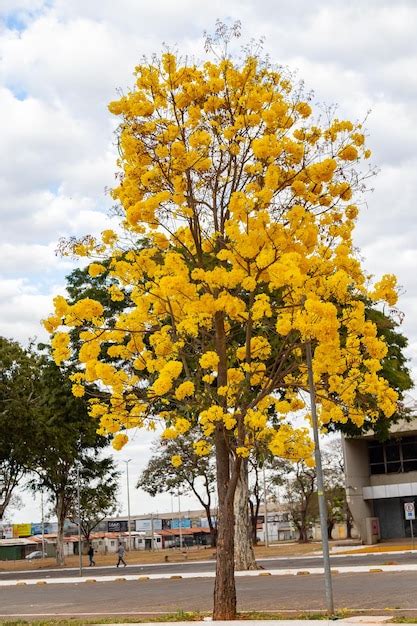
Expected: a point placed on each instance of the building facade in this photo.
(381, 477)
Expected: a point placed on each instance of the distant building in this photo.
(148, 531)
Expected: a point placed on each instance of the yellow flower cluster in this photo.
(236, 248)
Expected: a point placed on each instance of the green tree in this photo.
(65, 437)
(334, 486)
(196, 474)
(98, 494)
(19, 397)
(300, 496)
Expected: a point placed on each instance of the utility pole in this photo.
(179, 519)
(320, 485)
(80, 554)
(42, 526)
(266, 530)
(128, 503)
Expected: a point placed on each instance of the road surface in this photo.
(373, 592)
(300, 563)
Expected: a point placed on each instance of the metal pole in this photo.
(42, 526)
(80, 555)
(179, 519)
(412, 532)
(266, 530)
(320, 486)
(128, 503)
(152, 533)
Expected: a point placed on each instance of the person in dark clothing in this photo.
(121, 553)
(91, 555)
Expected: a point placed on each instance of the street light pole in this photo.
(266, 529)
(42, 526)
(80, 555)
(179, 519)
(320, 485)
(128, 503)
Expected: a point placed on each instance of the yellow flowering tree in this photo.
(236, 249)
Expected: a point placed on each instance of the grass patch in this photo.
(179, 616)
(184, 616)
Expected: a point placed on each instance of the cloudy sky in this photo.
(61, 62)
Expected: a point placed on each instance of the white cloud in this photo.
(21, 309)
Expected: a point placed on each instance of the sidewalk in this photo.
(369, 620)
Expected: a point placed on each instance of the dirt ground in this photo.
(161, 556)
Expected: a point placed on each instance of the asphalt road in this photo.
(272, 593)
(300, 563)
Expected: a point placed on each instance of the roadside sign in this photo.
(409, 510)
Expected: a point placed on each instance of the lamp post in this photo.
(320, 486)
(128, 503)
(179, 519)
(80, 554)
(42, 526)
(152, 533)
(266, 529)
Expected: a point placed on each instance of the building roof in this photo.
(18, 541)
(401, 428)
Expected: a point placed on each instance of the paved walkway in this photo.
(369, 620)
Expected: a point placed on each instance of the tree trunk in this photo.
(213, 531)
(60, 514)
(330, 526)
(303, 533)
(244, 554)
(349, 522)
(224, 586)
(254, 523)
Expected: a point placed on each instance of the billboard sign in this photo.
(117, 526)
(146, 525)
(22, 530)
(37, 529)
(185, 523)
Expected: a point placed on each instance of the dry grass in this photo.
(162, 556)
(288, 549)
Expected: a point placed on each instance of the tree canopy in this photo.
(65, 438)
(19, 398)
(98, 494)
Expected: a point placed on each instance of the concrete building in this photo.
(380, 479)
(280, 527)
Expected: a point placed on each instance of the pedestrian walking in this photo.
(121, 551)
(91, 555)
